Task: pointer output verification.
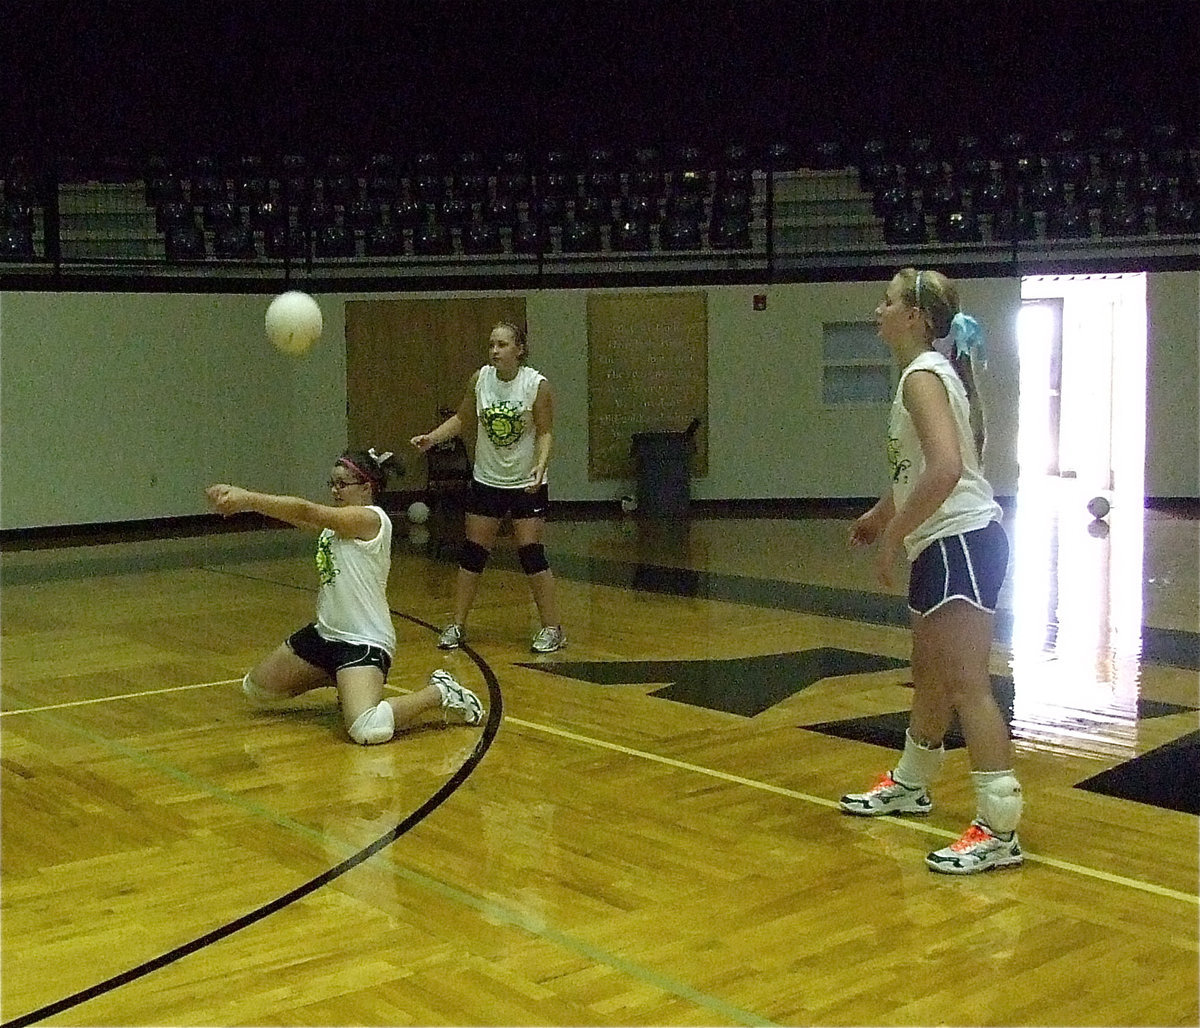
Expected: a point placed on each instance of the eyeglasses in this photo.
(345, 483)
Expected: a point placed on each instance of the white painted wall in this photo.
(124, 406)
(1173, 384)
(119, 406)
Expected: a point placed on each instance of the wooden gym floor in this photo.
(645, 829)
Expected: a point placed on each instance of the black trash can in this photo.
(663, 481)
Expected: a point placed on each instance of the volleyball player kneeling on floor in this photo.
(352, 642)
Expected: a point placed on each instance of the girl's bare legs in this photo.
(951, 647)
(483, 531)
(361, 688)
(282, 675)
(525, 532)
(409, 706)
(950, 673)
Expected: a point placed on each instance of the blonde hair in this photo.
(518, 334)
(935, 296)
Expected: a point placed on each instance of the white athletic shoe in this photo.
(457, 698)
(549, 639)
(887, 796)
(977, 849)
(451, 637)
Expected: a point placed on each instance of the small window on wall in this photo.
(856, 366)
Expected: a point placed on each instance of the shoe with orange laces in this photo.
(978, 849)
(887, 796)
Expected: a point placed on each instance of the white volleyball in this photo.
(294, 322)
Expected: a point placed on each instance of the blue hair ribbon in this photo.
(967, 336)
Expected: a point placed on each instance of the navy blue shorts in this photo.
(489, 502)
(332, 656)
(967, 567)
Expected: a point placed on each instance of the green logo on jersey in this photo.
(327, 570)
(899, 467)
(503, 424)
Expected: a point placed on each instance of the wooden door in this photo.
(408, 359)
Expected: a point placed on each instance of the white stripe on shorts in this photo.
(946, 565)
(970, 569)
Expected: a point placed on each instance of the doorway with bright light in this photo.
(1077, 578)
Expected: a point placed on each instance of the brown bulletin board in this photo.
(647, 372)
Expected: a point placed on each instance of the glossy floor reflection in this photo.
(652, 836)
(1088, 603)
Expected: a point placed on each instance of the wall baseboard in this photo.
(396, 504)
(101, 533)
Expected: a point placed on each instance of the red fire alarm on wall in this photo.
(760, 301)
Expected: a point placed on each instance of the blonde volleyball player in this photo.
(513, 411)
(352, 641)
(941, 511)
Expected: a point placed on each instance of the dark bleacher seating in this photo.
(1068, 221)
(363, 214)
(531, 237)
(234, 242)
(383, 240)
(905, 228)
(184, 243)
(334, 241)
(16, 244)
(730, 231)
(680, 232)
(630, 234)
(581, 237)
(285, 241)
(958, 227)
(432, 240)
(482, 237)
(1014, 224)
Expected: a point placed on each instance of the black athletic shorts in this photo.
(489, 502)
(331, 656)
(967, 567)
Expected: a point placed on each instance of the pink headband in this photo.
(355, 468)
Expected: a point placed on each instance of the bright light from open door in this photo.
(1076, 582)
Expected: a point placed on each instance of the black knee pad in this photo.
(474, 557)
(533, 558)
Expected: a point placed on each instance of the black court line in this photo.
(490, 728)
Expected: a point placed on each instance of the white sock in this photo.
(919, 764)
(998, 800)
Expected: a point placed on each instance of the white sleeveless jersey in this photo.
(971, 505)
(504, 436)
(352, 603)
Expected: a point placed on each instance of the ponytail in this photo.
(935, 296)
(961, 362)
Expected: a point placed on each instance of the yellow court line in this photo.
(821, 801)
(751, 783)
(123, 696)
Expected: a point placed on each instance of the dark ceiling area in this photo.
(187, 77)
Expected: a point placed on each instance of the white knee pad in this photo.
(375, 725)
(998, 799)
(258, 695)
